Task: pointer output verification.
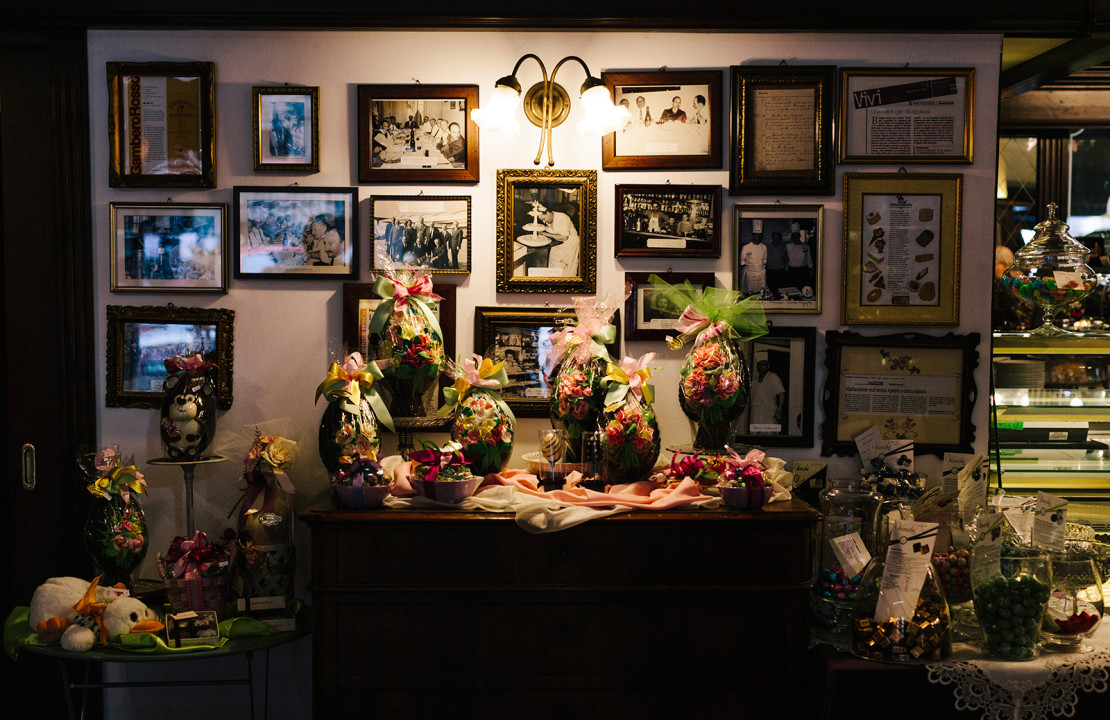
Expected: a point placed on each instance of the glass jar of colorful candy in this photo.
(847, 507)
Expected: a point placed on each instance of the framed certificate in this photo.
(161, 125)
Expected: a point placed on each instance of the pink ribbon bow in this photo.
(421, 286)
(470, 373)
(191, 557)
(752, 459)
(436, 460)
(694, 318)
(631, 369)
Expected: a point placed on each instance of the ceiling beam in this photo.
(1060, 62)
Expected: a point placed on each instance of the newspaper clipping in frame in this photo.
(896, 116)
(163, 125)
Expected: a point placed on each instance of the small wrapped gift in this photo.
(194, 572)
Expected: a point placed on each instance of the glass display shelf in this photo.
(1071, 344)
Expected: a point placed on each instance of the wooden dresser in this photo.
(675, 614)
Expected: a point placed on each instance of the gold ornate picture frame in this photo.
(901, 254)
(286, 134)
(547, 231)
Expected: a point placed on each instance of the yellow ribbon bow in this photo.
(630, 375)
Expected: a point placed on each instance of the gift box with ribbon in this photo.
(194, 572)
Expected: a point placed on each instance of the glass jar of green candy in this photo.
(1009, 605)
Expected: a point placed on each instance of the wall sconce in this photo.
(547, 105)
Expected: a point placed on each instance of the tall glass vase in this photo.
(116, 537)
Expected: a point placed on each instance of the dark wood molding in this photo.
(1052, 175)
(1058, 63)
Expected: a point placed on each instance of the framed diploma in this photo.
(782, 130)
(903, 115)
(161, 125)
(901, 256)
(911, 386)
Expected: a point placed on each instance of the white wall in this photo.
(287, 332)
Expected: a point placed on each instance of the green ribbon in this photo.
(383, 286)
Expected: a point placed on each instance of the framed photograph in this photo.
(417, 133)
(359, 304)
(782, 130)
(668, 221)
(901, 256)
(521, 337)
(648, 314)
(429, 231)
(906, 115)
(296, 232)
(161, 125)
(547, 231)
(676, 121)
(912, 386)
(779, 256)
(140, 338)
(168, 247)
(286, 129)
(780, 413)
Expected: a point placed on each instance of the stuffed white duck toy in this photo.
(68, 609)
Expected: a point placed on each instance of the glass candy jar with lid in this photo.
(847, 506)
(879, 633)
(1050, 272)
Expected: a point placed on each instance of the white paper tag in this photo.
(972, 481)
(851, 553)
(907, 561)
(988, 549)
(1065, 279)
(809, 473)
(667, 243)
(864, 442)
(950, 468)
(1048, 521)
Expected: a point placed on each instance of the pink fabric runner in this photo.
(644, 495)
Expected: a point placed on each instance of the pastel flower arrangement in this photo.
(273, 451)
(706, 469)
(631, 431)
(120, 534)
(349, 426)
(576, 397)
(265, 511)
(110, 475)
(444, 463)
(711, 380)
(412, 340)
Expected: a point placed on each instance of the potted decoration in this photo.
(442, 473)
(631, 433)
(349, 425)
(115, 528)
(360, 483)
(484, 423)
(578, 350)
(716, 380)
(266, 515)
(411, 353)
(188, 420)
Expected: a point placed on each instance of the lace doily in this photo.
(1043, 688)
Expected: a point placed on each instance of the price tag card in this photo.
(851, 553)
(897, 453)
(988, 549)
(950, 468)
(1048, 524)
(1067, 279)
(972, 481)
(864, 442)
(908, 557)
(810, 474)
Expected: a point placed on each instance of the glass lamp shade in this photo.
(500, 113)
(601, 115)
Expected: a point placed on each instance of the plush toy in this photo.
(71, 610)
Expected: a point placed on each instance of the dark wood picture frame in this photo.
(649, 221)
(125, 353)
(359, 303)
(521, 194)
(188, 159)
(906, 371)
(184, 261)
(652, 144)
(268, 249)
(412, 153)
(542, 321)
(791, 354)
(434, 211)
(279, 145)
(781, 123)
(648, 320)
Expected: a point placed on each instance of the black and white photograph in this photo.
(524, 351)
(431, 232)
(668, 221)
(286, 132)
(780, 412)
(651, 314)
(675, 121)
(417, 133)
(778, 256)
(296, 232)
(168, 247)
(547, 240)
